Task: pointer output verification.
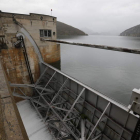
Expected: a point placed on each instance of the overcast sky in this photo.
(96, 15)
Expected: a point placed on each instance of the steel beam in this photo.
(22, 85)
(41, 76)
(59, 91)
(57, 94)
(46, 90)
(48, 82)
(59, 108)
(31, 86)
(71, 118)
(21, 96)
(97, 137)
(59, 103)
(82, 129)
(98, 120)
(74, 103)
(29, 98)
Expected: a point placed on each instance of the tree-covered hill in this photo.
(133, 31)
(64, 29)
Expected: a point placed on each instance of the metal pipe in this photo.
(126, 50)
(74, 104)
(82, 129)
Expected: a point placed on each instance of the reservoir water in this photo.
(114, 74)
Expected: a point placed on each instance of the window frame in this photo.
(42, 32)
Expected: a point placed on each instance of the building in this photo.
(32, 28)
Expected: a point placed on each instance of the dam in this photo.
(70, 109)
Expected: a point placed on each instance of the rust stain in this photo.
(11, 126)
(15, 67)
(2, 131)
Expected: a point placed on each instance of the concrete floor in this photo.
(36, 129)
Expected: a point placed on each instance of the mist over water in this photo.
(114, 74)
(35, 128)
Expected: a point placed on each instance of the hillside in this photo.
(64, 29)
(134, 31)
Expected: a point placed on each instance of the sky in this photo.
(111, 16)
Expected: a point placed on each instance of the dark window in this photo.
(45, 33)
(41, 33)
(49, 33)
(41, 17)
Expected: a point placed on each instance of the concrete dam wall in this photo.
(31, 27)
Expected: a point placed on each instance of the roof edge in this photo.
(30, 14)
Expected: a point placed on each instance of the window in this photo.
(41, 33)
(49, 33)
(45, 33)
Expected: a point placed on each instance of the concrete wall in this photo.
(12, 58)
(11, 125)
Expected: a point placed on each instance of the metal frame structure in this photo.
(74, 110)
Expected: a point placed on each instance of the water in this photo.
(35, 128)
(114, 74)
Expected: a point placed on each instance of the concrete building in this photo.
(32, 28)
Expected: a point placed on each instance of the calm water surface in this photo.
(114, 74)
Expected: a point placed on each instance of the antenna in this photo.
(51, 12)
